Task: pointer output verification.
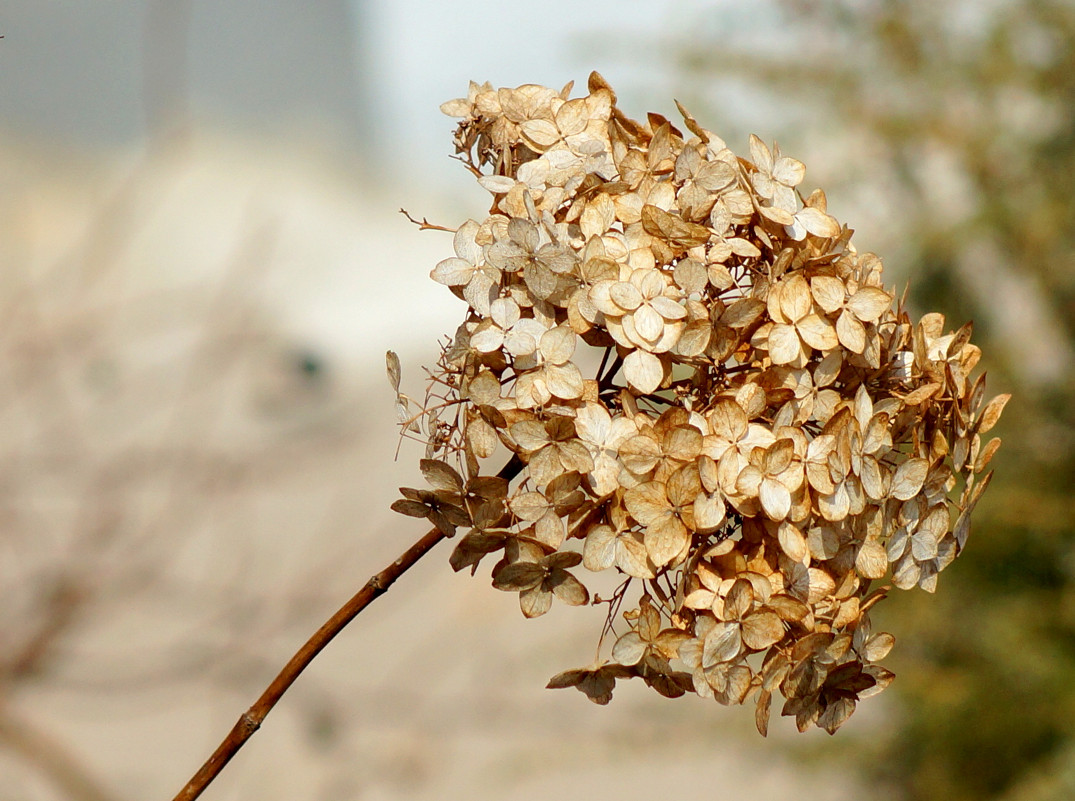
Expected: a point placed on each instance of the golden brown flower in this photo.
(705, 389)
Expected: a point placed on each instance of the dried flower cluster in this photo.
(766, 435)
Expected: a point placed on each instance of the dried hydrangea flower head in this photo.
(761, 435)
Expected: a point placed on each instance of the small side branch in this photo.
(424, 224)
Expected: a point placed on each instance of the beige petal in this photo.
(497, 184)
(666, 539)
(727, 420)
(541, 133)
(564, 380)
(760, 154)
(778, 456)
(691, 275)
(481, 437)
(629, 648)
(647, 502)
(795, 298)
(835, 505)
(572, 116)
(788, 171)
(658, 222)
(873, 479)
(739, 600)
(549, 530)
(558, 344)
(743, 313)
(991, 412)
(828, 369)
(851, 332)
(743, 247)
(784, 345)
(599, 551)
(488, 338)
(648, 323)
(694, 339)
(986, 454)
(878, 646)
(762, 630)
(761, 712)
(625, 296)
(749, 481)
(452, 272)
(821, 585)
(529, 506)
(600, 296)
(909, 477)
(871, 561)
(906, 573)
(775, 498)
(818, 222)
(709, 512)
(643, 371)
(545, 465)
(869, 303)
(631, 557)
(817, 332)
(684, 485)
(722, 644)
(683, 443)
(574, 455)
(793, 543)
(668, 308)
(535, 602)
(484, 388)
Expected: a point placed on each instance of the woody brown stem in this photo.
(251, 720)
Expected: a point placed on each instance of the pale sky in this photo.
(425, 53)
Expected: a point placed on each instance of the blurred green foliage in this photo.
(960, 116)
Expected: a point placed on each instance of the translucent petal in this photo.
(643, 371)
(784, 344)
(817, 332)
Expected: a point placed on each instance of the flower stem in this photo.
(377, 585)
(251, 720)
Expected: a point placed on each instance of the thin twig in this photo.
(424, 224)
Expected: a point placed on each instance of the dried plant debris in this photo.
(767, 437)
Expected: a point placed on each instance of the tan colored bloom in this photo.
(797, 330)
(765, 433)
(553, 375)
(666, 511)
(551, 448)
(603, 435)
(538, 581)
(772, 477)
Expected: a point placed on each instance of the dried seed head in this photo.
(766, 435)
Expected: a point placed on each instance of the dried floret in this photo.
(767, 434)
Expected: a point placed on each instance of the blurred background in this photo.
(202, 267)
